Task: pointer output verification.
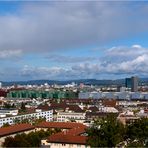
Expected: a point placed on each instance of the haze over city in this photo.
(73, 40)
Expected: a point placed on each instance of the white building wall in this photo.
(60, 145)
(64, 117)
(48, 115)
(113, 95)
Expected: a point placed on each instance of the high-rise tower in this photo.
(132, 83)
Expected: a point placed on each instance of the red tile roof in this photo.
(67, 139)
(4, 131)
(65, 106)
(70, 136)
(109, 103)
(43, 107)
(61, 125)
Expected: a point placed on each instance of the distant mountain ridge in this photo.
(64, 82)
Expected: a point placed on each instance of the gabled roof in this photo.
(71, 136)
(61, 125)
(4, 131)
(109, 103)
(75, 108)
(67, 139)
(65, 106)
(43, 107)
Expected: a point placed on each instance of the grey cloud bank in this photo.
(134, 62)
(70, 59)
(49, 29)
(62, 25)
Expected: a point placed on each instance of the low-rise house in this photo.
(64, 112)
(91, 116)
(59, 125)
(70, 116)
(13, 130)
(143, 113)
(127, 117)
(74, 136)
(109, 110)
(109, 103)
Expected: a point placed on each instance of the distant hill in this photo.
(85, 81)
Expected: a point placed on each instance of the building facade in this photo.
(48, 115)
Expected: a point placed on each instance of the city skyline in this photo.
(73, 40)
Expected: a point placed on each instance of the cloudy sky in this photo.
(73, 40)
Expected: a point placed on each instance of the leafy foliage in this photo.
(106, 132)
(8, 105)
(137, 132)
(6, 125)
(32, 139)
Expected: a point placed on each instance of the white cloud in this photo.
(124, 53)
(138, 64)
(41, 72)
(7, 54)
(136, 46)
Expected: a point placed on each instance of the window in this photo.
(63, 144)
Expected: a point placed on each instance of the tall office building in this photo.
(128, 83)
(134, 87)
(132, 83)
(0, 84)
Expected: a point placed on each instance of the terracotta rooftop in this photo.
(44, 107)
(67, 139)
(4, 131)
(61, 125)
(71, 136)
(65, 106)
(109, 103)
(75, 131)
(75, 108)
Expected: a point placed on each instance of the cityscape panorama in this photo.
(73, 74)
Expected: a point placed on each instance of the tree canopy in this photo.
(106, 132)
(109, 132)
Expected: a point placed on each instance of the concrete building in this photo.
(8, 112)
(134, 87)
(132, 83)
(128, 83)
(0, 84)
(48, 115)
(70, 116)
(73, 137)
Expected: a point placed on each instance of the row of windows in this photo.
(47, 115)
(71, 117)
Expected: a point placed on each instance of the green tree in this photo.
(7, 105)
(22, 108)
(32, 139)
(6, 125)
(138, 131)
(135, 144)
(36, 121)
(106, 132)
(9, 142)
